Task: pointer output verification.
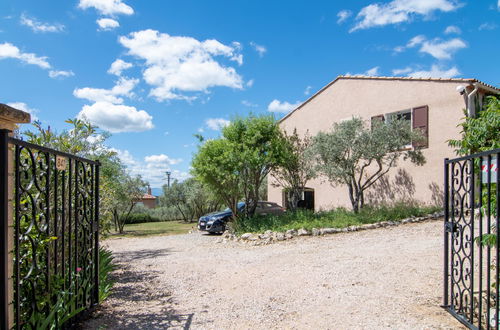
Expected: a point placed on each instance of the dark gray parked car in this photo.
(216, 222)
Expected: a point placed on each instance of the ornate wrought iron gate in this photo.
(56, 223)
(471, 253)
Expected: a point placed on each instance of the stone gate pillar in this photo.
(9, 118)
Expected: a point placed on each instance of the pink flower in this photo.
(78, 269)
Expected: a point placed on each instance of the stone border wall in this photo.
(270, 237)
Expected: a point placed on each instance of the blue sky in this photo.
(155, 72)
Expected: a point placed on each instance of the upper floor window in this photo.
(418, 118)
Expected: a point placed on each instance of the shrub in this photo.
(140, 218)
(106, 266)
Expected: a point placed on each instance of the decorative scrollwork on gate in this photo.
(56, 234)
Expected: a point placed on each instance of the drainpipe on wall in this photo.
(471, 108)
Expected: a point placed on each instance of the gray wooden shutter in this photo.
(375, 118)
(421, 123)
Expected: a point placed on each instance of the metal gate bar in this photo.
(472, 208)
(56, 224)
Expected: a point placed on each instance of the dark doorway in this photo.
(306, 201)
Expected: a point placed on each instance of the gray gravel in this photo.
(387, 278)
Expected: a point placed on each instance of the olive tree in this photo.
(128, 190)
(190, 198)
(297, 167)
(355, 155)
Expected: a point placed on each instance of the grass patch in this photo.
(155, 228)
(338, 218)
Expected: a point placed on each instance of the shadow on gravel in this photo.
(138, 299)
(128, 256)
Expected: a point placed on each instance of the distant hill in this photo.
(157, 191)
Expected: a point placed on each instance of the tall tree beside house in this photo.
(357, 155)
(236, 165)
(217, 166)
(296, 169)
(481, 133)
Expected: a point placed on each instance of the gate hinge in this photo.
(450, 227)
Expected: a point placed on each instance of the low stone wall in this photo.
(270, 237)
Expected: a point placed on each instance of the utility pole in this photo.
(168, 178)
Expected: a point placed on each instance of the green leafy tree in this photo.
(481, 133)
(237, 164)
(260, 146)
(217, 165)
(296, 169)
(354, 155)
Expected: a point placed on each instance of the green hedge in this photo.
(140, 218)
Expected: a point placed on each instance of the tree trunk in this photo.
(115, 219)
(354, 199)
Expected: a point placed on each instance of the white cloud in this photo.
(487, 26)
(372, 72)
(117, 118)
(107, 7)
(107, 24)
(417, 40)
(435, 72)
(398, 11)
(261, 50)
(307, 91)
(175, 65)
(8, 50)
(60, 74)
(278, 106)
(162, 158)
(249, 104)
(343, 15)
(437, 48)
(38, 26)
(452, 29)
(125, 156)
(24, 107)
(442, 50)
(250, 83)
(152, 168)
(403, 71)
(118, 66)
(123, 87)
(217, 124)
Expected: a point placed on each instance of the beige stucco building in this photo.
(433, 105)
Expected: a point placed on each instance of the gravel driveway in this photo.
(387, 278)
